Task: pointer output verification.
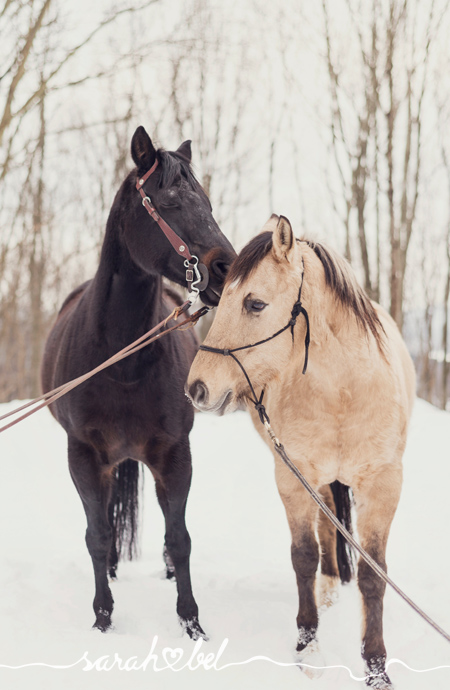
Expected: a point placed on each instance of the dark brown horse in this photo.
(136, 410)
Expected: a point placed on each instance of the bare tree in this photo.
(33, 81)
(379, 158)
(446, 300)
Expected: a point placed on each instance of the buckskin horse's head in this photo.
(260, 291)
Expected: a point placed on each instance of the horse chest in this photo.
(329, 437)
(135, 420)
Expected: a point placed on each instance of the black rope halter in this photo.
(297, 309)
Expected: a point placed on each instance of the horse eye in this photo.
(169, 199)
(254, 305)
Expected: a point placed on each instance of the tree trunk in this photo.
(37, 265)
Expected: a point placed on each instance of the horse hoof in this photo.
(194, 629)
(376, 676)
(103, 621)
(379, 682)
(310, 660)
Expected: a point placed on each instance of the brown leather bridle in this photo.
(197, 276)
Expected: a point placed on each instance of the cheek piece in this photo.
(197, 276)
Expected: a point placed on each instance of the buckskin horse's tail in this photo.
(124, 509)
(344, 552)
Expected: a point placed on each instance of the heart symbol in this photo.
(172, 656)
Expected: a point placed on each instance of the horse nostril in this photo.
(198, 392)
(220, 269)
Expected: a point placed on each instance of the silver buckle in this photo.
(194, 293)
(188, 264)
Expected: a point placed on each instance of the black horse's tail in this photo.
(344, 552)
(124, 509)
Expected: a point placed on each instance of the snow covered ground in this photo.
(242, 575)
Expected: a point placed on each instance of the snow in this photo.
(242, 576)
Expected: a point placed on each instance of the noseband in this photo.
(197, 276)
(297, 309)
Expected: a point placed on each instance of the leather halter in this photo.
(193, 267)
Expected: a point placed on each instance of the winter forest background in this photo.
(334, 113)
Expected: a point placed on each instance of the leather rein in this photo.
(160, 330)
(197, 276)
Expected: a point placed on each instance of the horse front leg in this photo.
(376, 501)
(301, 513)
(93, 487)
(173, 480)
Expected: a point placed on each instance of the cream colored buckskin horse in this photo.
(343, 424)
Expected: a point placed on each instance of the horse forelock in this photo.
(249, 258)
(174, 165)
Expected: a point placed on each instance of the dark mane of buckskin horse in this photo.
(135, 411)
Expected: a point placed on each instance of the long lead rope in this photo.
(279, 448)
(50, 397)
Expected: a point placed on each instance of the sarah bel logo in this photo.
(175, 659)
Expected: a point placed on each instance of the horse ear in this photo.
(184, 149)
(283, 240)
(142, 150)
(271, 224)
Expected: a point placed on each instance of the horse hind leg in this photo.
(168, 562)
(328, 581)
(376, 502)
(113, 557)
(336, 555)
(94, 490)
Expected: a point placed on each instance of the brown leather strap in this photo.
(177, 243)
(145, 177)
(50, 397)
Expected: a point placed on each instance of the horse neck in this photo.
(127, 301)
(337, 341)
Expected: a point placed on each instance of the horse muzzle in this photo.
(200, 396)
(217, 262)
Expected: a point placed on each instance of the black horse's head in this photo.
(181, 201)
